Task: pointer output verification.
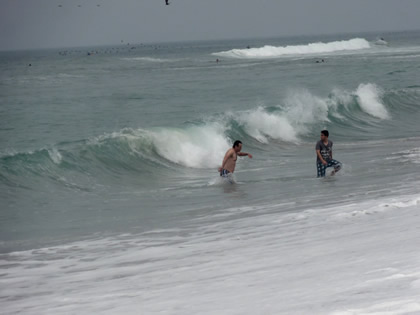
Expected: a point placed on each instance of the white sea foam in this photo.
(301, 109)
(412, 155)
(367, 208)
(201, 146)
(55, 156)
(259, 124)
(369, 97)
(204, 145)
(381, 42)
(272, 263)
(399, 307)
(197, 146)
(312, 48)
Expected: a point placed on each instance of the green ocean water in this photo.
(107, 140)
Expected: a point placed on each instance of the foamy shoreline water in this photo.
(274, 263)
(111, 201)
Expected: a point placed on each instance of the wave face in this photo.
(301, 113)
(128, 151)
(312, 48)
(197, 146)
(369, 97)
(202, 144)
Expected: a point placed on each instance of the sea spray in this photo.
(260, 125)
(196, 146)
(300, 111)
(369, 98)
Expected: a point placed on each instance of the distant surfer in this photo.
(381, 41)
(229, 161)
(324, 157)
(167, 2)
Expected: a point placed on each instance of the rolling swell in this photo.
(111, 156)
(360, 114)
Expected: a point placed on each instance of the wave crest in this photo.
(261, 125)
(197, 146)
(369, 98)
(202, 144)
(301, 112)
(312, 48)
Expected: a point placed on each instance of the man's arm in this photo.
(331, 154)
(244, 154)
(331, 150)
(318, 153)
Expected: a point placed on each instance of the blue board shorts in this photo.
(227, 176)
(224, 173)
(321, 168)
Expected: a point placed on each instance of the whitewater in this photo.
(312, 48)
(110, 199)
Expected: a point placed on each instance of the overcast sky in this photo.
(43, 24)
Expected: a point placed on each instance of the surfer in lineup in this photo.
(324, 157)
(229, 161)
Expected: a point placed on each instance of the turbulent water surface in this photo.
(111, 201)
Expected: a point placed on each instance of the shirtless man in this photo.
(229, 161)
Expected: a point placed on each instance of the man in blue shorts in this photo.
(229, 161)
(324, 158)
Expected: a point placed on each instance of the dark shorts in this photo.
(224, 173)
(321, 168)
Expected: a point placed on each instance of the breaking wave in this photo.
(312, 48)
(369, 97)
(202, 144)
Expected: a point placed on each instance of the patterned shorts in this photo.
(321, 167)
(224, 173)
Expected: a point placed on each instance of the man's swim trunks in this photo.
(224, 173)
(321, 167)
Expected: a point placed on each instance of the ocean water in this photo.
(110, 200)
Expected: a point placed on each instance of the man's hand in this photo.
(219, 169)
(250, 156)
(324, 162)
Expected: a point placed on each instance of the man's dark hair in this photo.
(236, 143)
(325, 133)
